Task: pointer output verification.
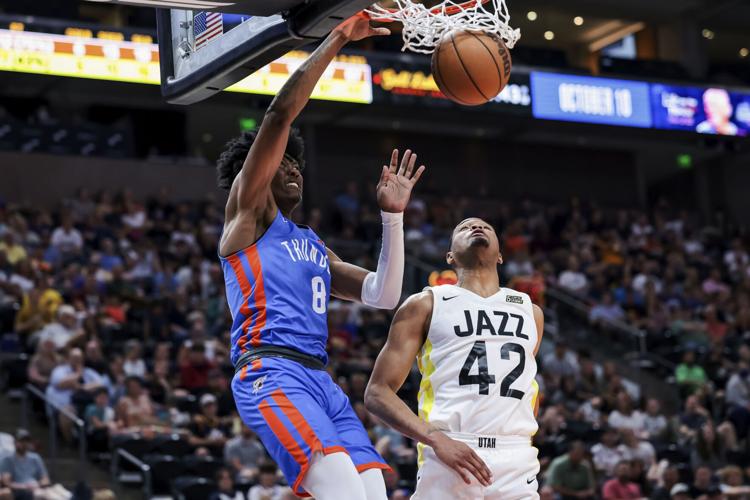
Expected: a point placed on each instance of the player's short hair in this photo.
(231, 160)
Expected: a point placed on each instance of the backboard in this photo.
(203, 51)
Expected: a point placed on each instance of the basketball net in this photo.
(424, 26)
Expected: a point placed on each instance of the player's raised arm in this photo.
(268, 149)
(382, 288)
(405, 338)
(250, 192)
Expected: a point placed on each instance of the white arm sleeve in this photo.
(382, 289)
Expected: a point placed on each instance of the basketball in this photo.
(471, 67)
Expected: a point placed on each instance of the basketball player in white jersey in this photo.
(476, 344)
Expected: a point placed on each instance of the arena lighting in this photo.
(549, 35)
(531, 15)
(578, 21)
(708, 34)
(612, 32)
(744, 52)
(684, 160)
(248, 124)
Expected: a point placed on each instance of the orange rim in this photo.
(453, 9)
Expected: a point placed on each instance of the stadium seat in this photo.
(192, 488)
(97, 441)
(187, 404)
(164, 468)
(205, 467)
(674, 454)
(135, 445)
(14, 368)
(407, 471)
(172, 444)
(10, 343)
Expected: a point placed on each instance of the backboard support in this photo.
(196, 66)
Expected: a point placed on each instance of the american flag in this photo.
(206, 26)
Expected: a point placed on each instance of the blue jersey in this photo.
(278, 290)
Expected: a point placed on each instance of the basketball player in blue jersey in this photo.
(279, 276)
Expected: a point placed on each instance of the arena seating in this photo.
(145, 270)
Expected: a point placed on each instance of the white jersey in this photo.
(478, 365)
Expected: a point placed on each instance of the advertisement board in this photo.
(590, 100)
(411, 83)
(703, 110)
(347, 79)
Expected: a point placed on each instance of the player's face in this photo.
(287, 185)
(471, 238)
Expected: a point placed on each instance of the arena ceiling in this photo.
(726, 19)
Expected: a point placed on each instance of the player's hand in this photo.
(358, 27)
(462, 459)
(396, 182)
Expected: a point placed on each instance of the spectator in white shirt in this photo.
(625, 417)
(633, 448)
(267, 489)
(561, 362)
(243, 454)
(134, 216)
(572, 279)
(738, 398)
(606, 455)
(225, 487)
(736, 258)
(738, 388)
(185, 234)
(654, 422)
(66, 238)
(519, 265)
(640, 231)
(68, 378)
(606, 311)
(134, 366)
(61, 331)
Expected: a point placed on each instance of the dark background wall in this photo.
(46, 179)
(481, 167)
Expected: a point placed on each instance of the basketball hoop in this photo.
(424, 26)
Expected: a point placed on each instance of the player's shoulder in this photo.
(420, 302)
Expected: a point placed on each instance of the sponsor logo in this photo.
(515, 299)
(258, 384)
(450, 298)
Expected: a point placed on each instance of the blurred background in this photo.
(621, 196)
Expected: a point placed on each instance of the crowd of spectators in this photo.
(120, 303)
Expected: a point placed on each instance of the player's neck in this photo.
(483, 281)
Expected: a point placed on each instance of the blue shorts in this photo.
(297, 411)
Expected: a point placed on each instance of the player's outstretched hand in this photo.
(358, 27)
(396, 182)
(462, 459)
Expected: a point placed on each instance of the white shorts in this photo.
(511, 459)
